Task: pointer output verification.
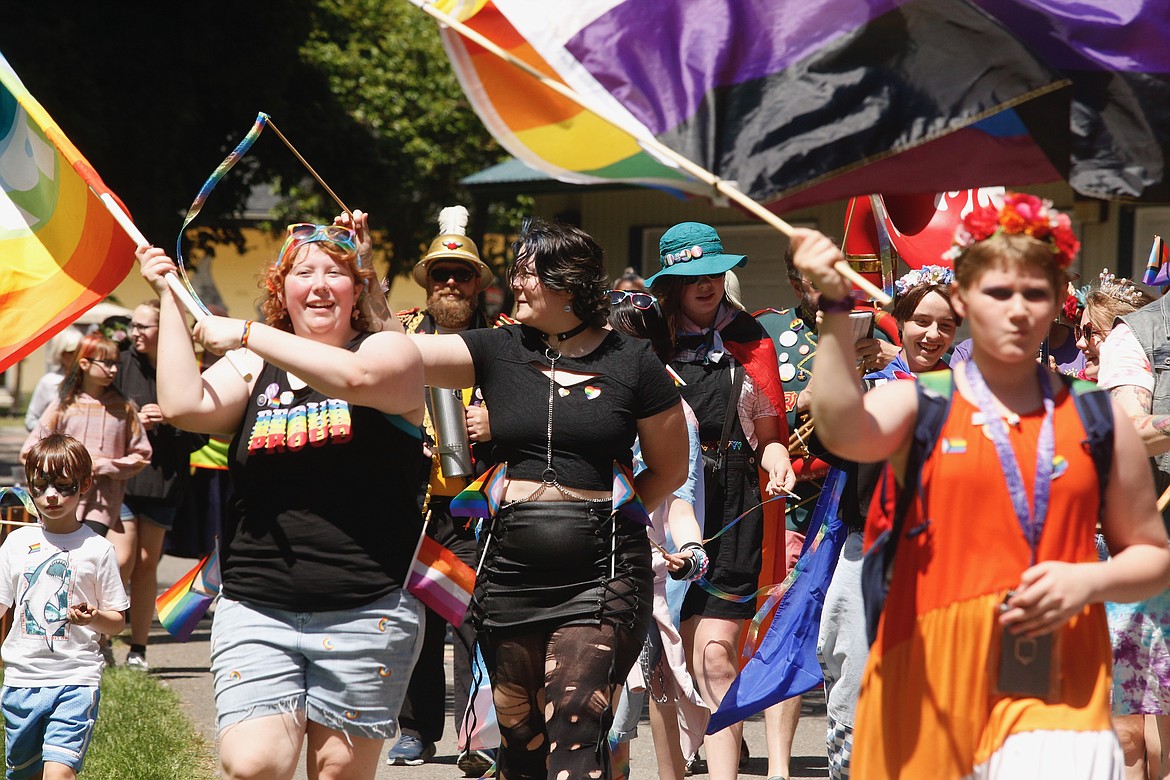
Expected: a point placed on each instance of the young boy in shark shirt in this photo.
(61, 580)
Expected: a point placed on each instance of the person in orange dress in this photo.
(996, 572)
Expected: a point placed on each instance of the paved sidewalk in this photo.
(183, 666)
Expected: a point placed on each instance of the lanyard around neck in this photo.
(1031, 519)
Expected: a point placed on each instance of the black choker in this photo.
(568, 334)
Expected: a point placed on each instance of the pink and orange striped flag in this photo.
(62, 250)
(440, 580)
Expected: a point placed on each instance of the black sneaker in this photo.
(409, 750)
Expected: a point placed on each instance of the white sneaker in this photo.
(137, 661)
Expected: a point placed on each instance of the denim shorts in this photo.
(346, 669)
(156, 511)
(47, 724)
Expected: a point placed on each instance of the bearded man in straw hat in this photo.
(454, 277)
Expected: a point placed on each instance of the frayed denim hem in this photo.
(290, 705)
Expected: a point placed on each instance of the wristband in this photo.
(830, 306)
(247, 332)
(696, 565)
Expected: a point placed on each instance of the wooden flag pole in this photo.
(173, 282)
(1164, 499)
(308, 167)
(651, 144)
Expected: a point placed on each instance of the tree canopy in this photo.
(156, 94)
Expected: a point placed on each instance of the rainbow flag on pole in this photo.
(62, 250)
(183, 605)
(440, 580)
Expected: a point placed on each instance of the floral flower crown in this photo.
(1020, 213)
(927, 274)
(1121, 289)
(1074, 302)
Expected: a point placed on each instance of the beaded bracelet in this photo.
(247, 332)
(830, 306)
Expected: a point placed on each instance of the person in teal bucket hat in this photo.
(693, 249)
(729, 370)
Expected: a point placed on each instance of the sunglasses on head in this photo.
(38, 486)
(639, 300)
(696, 279)
(301, 233)
(460, 274)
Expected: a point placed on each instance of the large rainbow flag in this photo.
(62, 251)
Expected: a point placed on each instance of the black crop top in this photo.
(594, 421)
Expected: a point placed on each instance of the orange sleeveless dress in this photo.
(926, 708)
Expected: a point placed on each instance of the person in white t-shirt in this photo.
(61, 580)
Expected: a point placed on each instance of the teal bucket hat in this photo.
(693, 249)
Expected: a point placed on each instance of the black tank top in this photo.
(325, 513)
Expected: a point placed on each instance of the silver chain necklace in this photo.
(549, 477)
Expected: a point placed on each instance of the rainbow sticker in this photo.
(954, 446)
(34, 548)
(1059, 466)
(592, 392)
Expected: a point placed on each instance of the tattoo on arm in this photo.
(1138, 403)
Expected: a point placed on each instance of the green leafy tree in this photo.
(156, 94)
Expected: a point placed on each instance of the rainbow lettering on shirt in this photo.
(315, 424)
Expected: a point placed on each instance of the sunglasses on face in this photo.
(461, 275)
(106, 364)
(639, 300)
(1088, 332)
(689, 280)
(38, 486)
(307, 233)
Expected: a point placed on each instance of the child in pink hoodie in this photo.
(90, 410)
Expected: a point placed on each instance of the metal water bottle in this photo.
(448, 417)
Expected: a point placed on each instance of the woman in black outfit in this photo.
(564, 593)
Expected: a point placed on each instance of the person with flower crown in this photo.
(997, 568)
(926, 324)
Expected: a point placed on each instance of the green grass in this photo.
(142, 733)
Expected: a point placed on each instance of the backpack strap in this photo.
(1095, 409)
(934, 403)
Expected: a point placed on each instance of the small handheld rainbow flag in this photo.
(183, 605)
(625, 496)
(483, 497)
(1158, 266)
(440, 580)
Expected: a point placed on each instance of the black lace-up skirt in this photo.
(558, 563)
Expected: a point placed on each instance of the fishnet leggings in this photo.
(553, 694)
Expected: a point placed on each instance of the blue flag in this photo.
(785, 664)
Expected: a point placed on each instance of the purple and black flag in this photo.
(803, 102)
(795, 101)
(1117, 55)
